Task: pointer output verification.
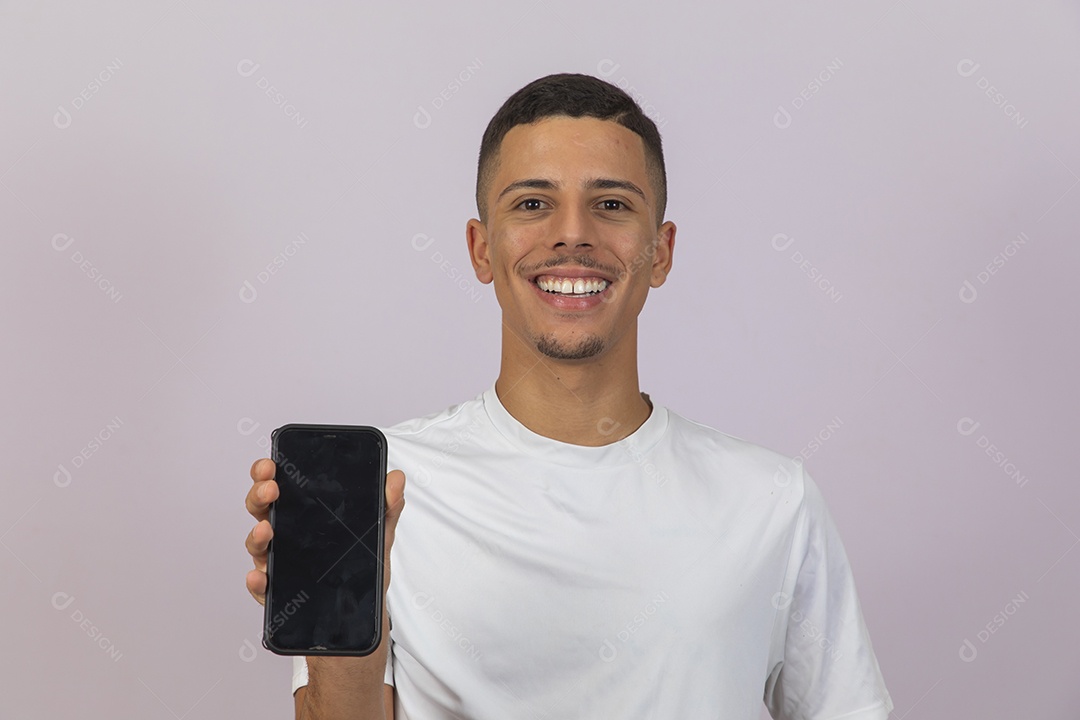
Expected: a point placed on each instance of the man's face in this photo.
(571, 240)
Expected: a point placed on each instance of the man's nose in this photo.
(572, 229)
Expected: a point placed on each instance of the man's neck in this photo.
(585, 402)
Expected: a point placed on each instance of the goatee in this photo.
(588, 347)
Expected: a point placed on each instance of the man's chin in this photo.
(583, 349)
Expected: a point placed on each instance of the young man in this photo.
(573, 549)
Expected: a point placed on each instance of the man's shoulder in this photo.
(699, 438)
(447, 419)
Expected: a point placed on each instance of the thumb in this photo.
(395, 503)
(395, 500)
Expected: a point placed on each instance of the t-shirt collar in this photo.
(629, 450)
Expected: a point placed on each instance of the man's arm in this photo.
(346, 688)
(388, 700)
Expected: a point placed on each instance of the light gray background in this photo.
(139, 139)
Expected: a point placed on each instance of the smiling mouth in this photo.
(571, 287)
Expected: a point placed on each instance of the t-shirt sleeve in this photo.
(300, 671)
(822, 664)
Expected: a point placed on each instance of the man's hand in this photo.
(264, 491)
(337, 686)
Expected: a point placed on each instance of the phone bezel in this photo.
(381, 532)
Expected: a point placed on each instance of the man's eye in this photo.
(614, 204)
(530, 204)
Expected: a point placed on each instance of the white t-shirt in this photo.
(678, 573)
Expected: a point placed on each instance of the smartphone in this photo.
(324, 566)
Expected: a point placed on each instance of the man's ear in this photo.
(662, 256)
(479, 250)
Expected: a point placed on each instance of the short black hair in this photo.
(571, 95)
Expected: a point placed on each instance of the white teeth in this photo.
(566, 286)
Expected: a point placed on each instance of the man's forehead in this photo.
(562, 145)
(562, 131)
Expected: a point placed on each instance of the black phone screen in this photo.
(324, 568)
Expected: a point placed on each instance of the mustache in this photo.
(585, 261)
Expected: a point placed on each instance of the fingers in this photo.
(262, 492)
(257, 543)
(256, 585)
(264, 489)
(263, 469)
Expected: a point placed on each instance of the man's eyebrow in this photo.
(593, 184)
(535, 183)
(610, 184)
